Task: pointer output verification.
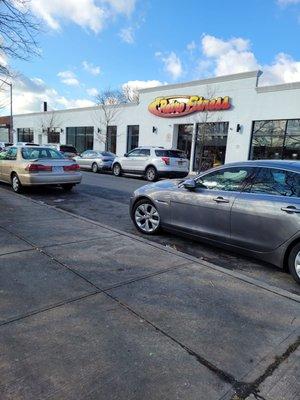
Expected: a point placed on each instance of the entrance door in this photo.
(211, 143)
(184, 141)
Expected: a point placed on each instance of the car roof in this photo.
(280, 164)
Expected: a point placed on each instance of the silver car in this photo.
(252, 207)
(31, 166)
(95, 160)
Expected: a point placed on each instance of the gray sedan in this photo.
(251, 207)
(95, 160)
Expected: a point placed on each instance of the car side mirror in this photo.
(126, 155)
(189, 184)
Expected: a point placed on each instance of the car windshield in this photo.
(29, 153)
(68, 149)
(170, 153)
(107, 154)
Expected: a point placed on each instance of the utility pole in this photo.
(10, 135)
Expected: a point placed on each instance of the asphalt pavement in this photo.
(105, 198)
(88, 311)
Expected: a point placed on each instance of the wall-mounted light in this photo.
(99, 130)
(154, 129)
(61, 131)
(238, 127)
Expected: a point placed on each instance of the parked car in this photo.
(3, 145)
(251, 207)
(31, 166)
(25, 144)
(95, 160)
(67, 150)
(152, 163)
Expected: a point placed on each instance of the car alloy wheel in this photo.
(146, 218)
(294, 262)
(16, 184)
(117, 170)
(95, 168)
(151, 174)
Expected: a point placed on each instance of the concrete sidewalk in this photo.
(89, 312)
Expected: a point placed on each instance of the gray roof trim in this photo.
(224, 78)
(276, 88)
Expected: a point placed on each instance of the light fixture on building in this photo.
(99, 130)
(238, 127)
(154, 129)
(61, 131)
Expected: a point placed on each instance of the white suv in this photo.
(152, 163)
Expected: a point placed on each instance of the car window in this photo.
(134, 153)
(107, 154)
(276, 182)
(32, 153)
(170, 153)
(11, 154)
(85, 153)
(145, 152)
(229, 179)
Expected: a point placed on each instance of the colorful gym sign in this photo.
(178, 106)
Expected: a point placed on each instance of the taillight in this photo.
(72, 167)
(38, 168)
(166, 160)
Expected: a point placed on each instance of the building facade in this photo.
(216, 120)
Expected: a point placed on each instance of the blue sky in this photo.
(89, 45)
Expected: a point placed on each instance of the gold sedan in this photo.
(37, 165)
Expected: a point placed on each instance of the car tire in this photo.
(294, 262)
(68, 187)
(95, 168)
(117, 170)
(151, 174)
(146, 217)
(16, 184)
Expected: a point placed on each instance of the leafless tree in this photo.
(50, 123)
(18, 30)
(208, 123)
(131, 95)
(109, 102)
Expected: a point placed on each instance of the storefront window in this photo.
(279, 139)
(132, 137)
(111, 139)
(25, 135)
(81, 137)
(211, 143)
(184, 142)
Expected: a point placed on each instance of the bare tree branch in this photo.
(18, 30)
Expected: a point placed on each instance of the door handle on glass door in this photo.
(220, 200)
(291, 209)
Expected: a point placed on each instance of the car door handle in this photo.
(291, 209)
(220, 200)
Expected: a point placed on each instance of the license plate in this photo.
(57, 169)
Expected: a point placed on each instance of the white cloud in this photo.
(224, 57)
(127, 35)
(136, 85)
(191, 46)
(287, 2)
(89, 14)
(93, 92)
(68, 78)
(91, 68)
(29, 95)
(172, 64)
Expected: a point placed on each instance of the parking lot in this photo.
(92, 312)
(105, 198)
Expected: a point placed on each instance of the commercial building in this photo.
(216, 120)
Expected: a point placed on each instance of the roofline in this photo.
(224, 78)
(275, 88)
(72, 109)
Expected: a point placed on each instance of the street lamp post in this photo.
(11, 110)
